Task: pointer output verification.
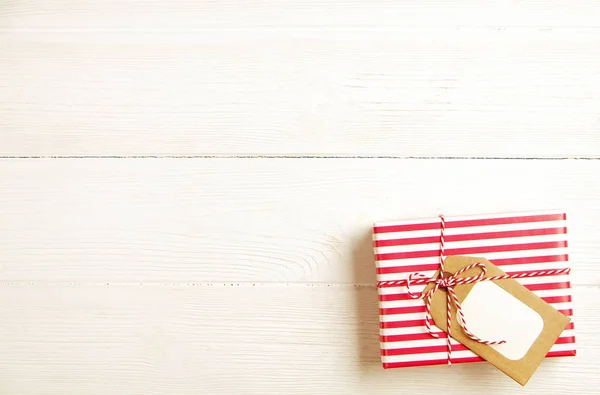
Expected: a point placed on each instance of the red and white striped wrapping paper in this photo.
(519, 242)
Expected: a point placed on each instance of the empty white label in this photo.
(494, 314)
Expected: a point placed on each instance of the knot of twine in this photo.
(448, 281)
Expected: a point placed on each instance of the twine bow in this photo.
(448, 283)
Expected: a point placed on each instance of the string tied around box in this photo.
(447, 281)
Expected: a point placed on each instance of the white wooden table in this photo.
(188, 187)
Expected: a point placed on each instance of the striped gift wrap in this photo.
(516, 243)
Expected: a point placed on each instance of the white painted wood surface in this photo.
(256, 274)
(153, 78)
(294, 14)
(235, 260)
(285, 220)
(134, 339)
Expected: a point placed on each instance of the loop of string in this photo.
(448, 283)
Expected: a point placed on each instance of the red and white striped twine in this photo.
(449, 283)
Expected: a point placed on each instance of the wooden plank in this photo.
(290, 14)
(205, 340)
(448, 93)
(260, 220)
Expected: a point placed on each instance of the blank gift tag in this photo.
(501, 310)
(516, 323)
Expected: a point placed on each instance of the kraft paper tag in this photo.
(501, 310)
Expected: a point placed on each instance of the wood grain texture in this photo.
(294, 14)
(224, 339)
(260, 220)
(440, 93)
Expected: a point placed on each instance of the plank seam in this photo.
(214, 284)
(297, 157)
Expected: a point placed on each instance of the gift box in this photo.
(516, 243)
